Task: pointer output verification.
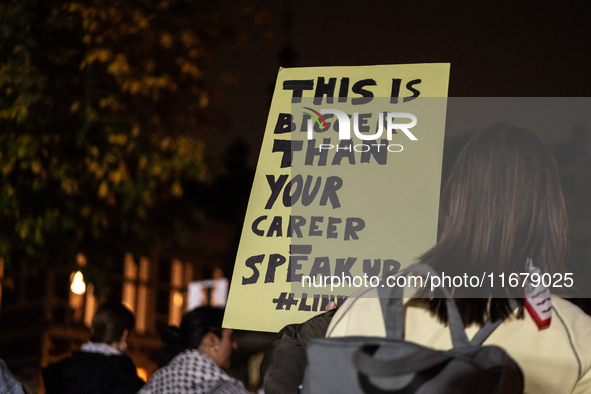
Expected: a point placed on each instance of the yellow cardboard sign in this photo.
(346, 189)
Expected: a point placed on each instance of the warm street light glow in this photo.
(78, 286)
(142, 373)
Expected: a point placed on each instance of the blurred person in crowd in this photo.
(195, 356)
(8, 383)
(100, 366)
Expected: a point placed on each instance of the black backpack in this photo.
(392, 365)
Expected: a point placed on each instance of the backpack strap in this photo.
(489, 327)
(392, 312)
(393, 309)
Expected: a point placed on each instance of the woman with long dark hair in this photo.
(502, 211)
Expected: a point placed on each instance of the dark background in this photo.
(496, 49)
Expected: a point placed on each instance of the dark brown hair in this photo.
(502, 204)
(195, 325)
(109, 322)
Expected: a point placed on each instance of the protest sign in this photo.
(347, 187)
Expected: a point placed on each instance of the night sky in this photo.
(496, 49)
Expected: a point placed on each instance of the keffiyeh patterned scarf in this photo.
(192, 372)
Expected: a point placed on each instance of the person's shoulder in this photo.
(315, 327)
(573, 318)
(81, 363)
(188, 359)
(360, 314)
(186, 354)
(65, 364)
(577, 326)
(122, 366)
(86, 369)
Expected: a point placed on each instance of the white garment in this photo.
(101, 348)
